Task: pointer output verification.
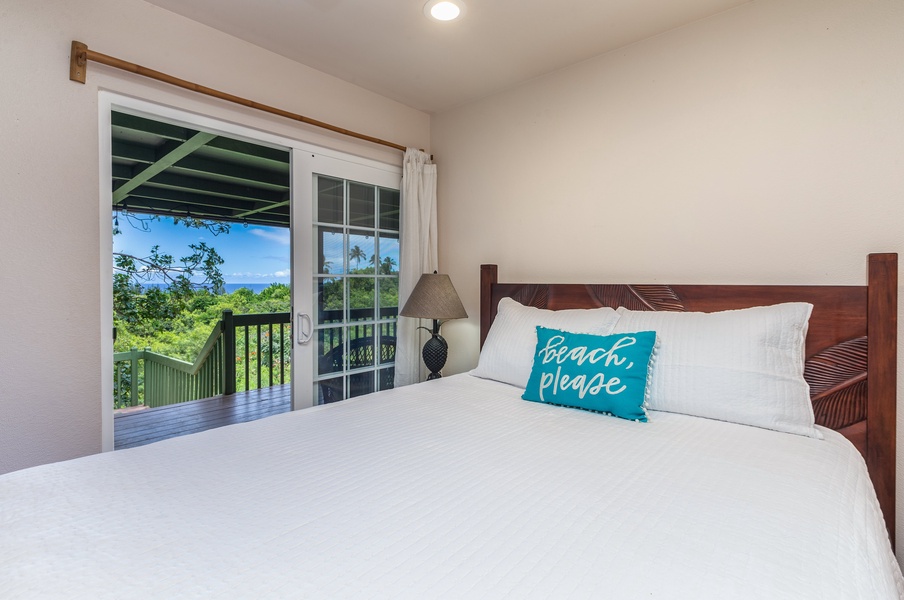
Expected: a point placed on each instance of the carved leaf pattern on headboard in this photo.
(536, 295)
(637, 297)
(837, 378)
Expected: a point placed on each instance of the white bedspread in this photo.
(452, 489)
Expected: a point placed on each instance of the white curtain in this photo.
(417, 256)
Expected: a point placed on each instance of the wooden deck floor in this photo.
(141, 427)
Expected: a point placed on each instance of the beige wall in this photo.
(763, 145)
(50, 254)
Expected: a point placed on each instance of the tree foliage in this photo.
(148, 308)
(152, 308)
(188, 327)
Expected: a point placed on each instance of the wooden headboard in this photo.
(851, 363)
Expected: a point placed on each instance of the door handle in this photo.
(301, 337)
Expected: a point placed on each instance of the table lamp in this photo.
(435, 298)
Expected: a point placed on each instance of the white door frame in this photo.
(109, 101)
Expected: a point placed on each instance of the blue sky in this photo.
(253, 254)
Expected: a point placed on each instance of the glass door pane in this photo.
(357, 288)
(353, 279)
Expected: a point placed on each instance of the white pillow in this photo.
(745, 366)
(508, 353)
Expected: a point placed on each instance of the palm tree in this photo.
(386, 265)
(356, 254)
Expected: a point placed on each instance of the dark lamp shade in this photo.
(434, 297)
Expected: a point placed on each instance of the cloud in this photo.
(280, 236)
(261, 276)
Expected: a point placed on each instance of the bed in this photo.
(459, 488)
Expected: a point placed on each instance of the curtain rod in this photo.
(78, 67)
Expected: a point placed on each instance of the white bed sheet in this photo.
(452, 489)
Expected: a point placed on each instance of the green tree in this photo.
(148, 309)
(152, 308)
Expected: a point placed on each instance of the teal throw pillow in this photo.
(601, 373)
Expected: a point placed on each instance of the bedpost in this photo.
(882, 335)
(489, 276)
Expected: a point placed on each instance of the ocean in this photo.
(230, 287)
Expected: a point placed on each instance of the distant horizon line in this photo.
(226, 283)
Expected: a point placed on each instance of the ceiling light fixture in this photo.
(444, 10)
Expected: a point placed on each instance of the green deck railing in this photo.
(152, 379)
(242, 353)
(261, 346)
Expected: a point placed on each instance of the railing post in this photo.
(228, 353)
(133, 365)
(151, 387)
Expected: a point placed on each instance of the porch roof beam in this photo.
(164, 162)
(237, 173)
(204, 186)
(167, 208)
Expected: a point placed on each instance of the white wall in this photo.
(762, 145)
(50, 255)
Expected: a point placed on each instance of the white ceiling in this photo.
(391, 48)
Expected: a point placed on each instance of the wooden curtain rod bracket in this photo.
(78, 62)
(78, 67)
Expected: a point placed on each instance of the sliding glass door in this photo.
(344, 231)
(346, 289)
